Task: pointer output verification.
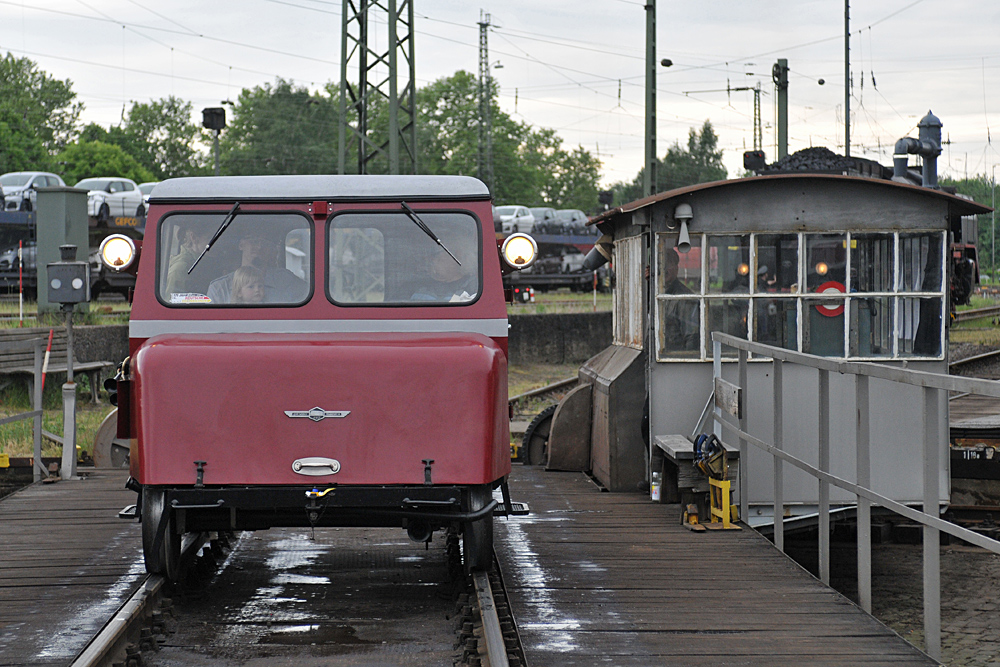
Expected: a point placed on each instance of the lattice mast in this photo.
(377, 82)
(485, 161)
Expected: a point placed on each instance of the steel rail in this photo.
(976, 313)
(543, 390)
(969, 361)
(118, 631)
(496, 649)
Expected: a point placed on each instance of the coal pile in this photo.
(817, 159)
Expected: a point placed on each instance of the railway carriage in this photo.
(317, 351)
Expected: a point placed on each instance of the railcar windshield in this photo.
(383, 258)
(263, 259)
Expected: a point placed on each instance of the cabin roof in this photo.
(957, 205)
(318, 187)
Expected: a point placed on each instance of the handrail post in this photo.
(932, 537)
(716, 374)
(824, 466)
(863, 458)
(744, 445)
(37, 468)
(779, 470)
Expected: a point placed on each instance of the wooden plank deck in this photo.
(67, 562)
(601, 578)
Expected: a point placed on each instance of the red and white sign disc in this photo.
(831, 287)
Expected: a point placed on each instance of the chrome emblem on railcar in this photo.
(317, 414)
(316, 466)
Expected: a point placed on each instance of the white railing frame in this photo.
(36, 344)
(933, 525)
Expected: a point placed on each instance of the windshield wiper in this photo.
(427, 230)
(218, 232)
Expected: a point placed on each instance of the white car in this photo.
(516, 219)
(146, 189)
(19, 188)
(112, 196)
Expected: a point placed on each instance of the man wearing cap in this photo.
(280, 284)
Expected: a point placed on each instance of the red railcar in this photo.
(318, 350)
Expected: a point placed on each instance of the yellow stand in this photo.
(724, 514)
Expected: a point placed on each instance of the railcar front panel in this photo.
(378, 404)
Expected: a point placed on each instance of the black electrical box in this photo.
(69, 280)
(754, 160)
(213, 118)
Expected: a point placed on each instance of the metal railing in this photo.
(933, 525)
(38, 345)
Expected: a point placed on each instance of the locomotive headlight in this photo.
(519, 250)
(743, 269)
(117, 252)
(822, 268)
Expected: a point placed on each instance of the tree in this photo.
(281, 129)
(700, 162)
(529, 166)
(95, 158)
(980, 188)
(35, 110)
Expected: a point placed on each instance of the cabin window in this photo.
(871, 295)
(385, 258)
(626, 299)
(261, 259)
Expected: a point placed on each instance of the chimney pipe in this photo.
(928, 146)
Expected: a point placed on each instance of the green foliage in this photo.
(980, 188)
(160, 135)
(95, 158)
(20, 147)
(530, 166)
(281, 129)
(700, 162)
(38, 114)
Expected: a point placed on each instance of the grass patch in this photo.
(16, 437)
(561, 301)
(100, 312)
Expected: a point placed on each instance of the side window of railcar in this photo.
(261, 259)
(385, 258)
(865, 295)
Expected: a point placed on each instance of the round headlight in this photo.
(117, 252)
(519, 251)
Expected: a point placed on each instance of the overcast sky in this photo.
(575, 66)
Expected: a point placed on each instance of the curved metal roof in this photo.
(318, 187)
(959, 205)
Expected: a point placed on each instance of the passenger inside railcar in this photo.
(276, 244)
(385, 258)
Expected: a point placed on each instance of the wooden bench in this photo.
(20, 362)
(673, 456)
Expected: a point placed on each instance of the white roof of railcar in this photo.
(319, 187)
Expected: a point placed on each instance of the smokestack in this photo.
(928, 146)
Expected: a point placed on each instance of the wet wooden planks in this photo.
(67, 562)
(600, 578)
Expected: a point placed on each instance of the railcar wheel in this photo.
(164, 558)
(477, 538)
(535, 444)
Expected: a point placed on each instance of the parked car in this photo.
(543, 214)
(572, 215)
(19, 188)
(146, 189)
(112, 196)
(516, 219)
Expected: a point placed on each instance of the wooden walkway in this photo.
(67, 562)
(602, 578)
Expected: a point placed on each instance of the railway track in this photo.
(977, 314)
(970, 365)
(338, 596)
